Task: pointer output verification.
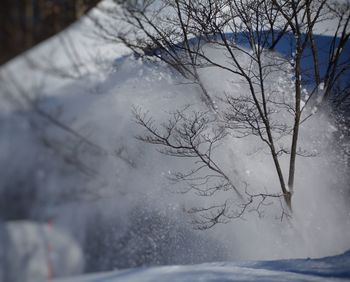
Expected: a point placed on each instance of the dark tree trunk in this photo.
(24, 23)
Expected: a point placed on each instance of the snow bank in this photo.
(326, 269)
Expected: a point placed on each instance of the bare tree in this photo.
(179, 32)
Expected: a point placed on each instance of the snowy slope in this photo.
(327, 269)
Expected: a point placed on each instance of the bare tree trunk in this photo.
(79, 8)
(28, 23)
(297, 115)
(317, 75)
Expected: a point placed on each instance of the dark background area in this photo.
(24, 23)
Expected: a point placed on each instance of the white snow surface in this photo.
(326, 269)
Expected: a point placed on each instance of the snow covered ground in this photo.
(115, 200)
(325, 269)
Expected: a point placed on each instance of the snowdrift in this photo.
(326, 269)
